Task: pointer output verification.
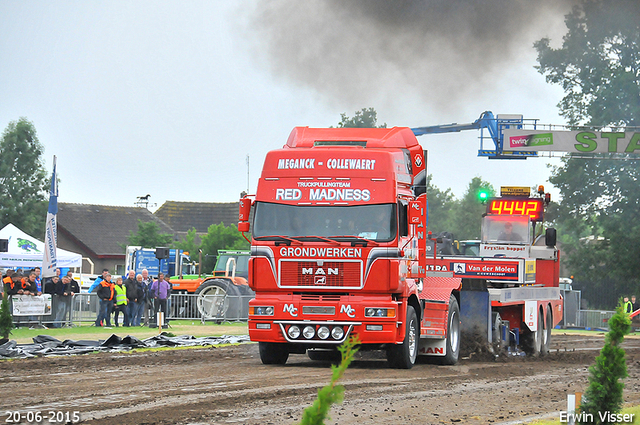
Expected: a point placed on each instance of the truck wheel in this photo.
(273, 353)
(323, 355)
(546, 334)
(532, 340)
(218, 299)
(453, 334)
(403, 356)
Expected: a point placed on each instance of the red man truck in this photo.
(340, 247)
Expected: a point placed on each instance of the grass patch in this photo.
(88, 332)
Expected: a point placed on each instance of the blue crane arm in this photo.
(486, 121)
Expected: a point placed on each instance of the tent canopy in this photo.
(26, 251)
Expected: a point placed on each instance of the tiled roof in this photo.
(182, 216)
(103, 228)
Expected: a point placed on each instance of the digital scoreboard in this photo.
(533, 207)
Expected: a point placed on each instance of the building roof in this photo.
(103, 229)
(182, 216)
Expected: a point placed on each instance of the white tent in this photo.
(26, 251)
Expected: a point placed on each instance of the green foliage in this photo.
(331, 393)
(6, 320)
(598, 64)
(442, 207)
(467, 217)
(601, 233)
(188, 244)
(604, 393)
(149, 236)
(598, 67)
(23, 181)
(365, 118)
(220, 237)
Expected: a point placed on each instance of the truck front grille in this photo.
(320, 274)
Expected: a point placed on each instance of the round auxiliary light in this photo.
(293, 332)
(323, 332)
(337, 332)
(308, 332)
(370, 312)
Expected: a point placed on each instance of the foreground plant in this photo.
(603, 397)
(331, 393)
(6, 321)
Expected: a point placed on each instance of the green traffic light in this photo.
(483, 195)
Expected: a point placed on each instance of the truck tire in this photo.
(218, 299)
(273, 353)
(546, 335)
(324, 355)
(453, 334)
(403, 356)
(532, 340)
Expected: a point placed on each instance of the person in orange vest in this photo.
(28, 285)
(7, 282)
(106, 295)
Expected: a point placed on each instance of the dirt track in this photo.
(231, 386)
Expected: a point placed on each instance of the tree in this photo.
(149, 236)
(188, 243)
(220, 237)
(365, 118)
(598, 64)
(23, 180)
(598, 67)
(6, 320)
(604, 393)
(442, 205)
(600, 203)
(467, 214)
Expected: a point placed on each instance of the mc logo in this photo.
(350, 311)
(289, 308)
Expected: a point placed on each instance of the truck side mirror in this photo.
(550, 237)
(243, 214)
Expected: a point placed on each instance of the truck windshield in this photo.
(375, 222)
(513, 229)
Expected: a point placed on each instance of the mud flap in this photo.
(432, 347)
(531, 315)
(475, 313)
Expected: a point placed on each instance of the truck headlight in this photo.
(261, 311)
(323, 332)
(379, 312)
(293, 332)
(308, 332)
(337, 332)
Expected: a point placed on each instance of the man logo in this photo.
(350, 311)
(320, 280)
(289, 308)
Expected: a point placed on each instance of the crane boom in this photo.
(493, 125)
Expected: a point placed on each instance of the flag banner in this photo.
(49, 260)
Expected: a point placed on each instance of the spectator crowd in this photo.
(138, 298)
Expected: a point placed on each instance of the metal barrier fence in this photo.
(84, 308)
(220, 308)
(590, 319)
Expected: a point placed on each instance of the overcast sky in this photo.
(168, 98)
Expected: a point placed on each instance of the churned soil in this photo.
(229, 385)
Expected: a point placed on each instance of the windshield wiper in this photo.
(320, 238)
(356, 240)
(279, 238)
